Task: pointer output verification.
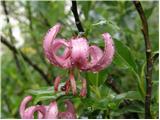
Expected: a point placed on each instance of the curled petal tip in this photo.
(23, 105)
(107, 56)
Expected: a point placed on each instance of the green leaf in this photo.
(119, 61)
(101, 104)
(138, 108)
(148, 12)
(42, 91)
(133, 95)
(86, 7)
(48, 97)
(124, 54)
(96, 91)
(102, 75)
(108, 22)
(88, 102)
(93, 78)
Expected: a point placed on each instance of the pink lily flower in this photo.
(46, 112)
(77, 51)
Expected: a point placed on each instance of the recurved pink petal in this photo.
(52, 111)
(96, 54)
(24, 105)
(79, 53)
(51, 46)
(107, 56)
(28, 113)
(63, 60)
(49, 38)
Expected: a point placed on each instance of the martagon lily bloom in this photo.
(46, 112)
(77, 53)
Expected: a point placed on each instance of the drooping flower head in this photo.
(46, 112)
(77, 51)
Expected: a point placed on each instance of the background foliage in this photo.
(120, 19)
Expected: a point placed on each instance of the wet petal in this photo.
(108, 54)
(95, 53)
(79, 53)
(49, 38)
(51, 45)
(62, 61)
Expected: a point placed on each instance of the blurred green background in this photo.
(28, 23)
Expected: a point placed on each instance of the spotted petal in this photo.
(79, 53)
(49, 38)
(28, 113)
(51, 45)
(96, 53)
(101, 60)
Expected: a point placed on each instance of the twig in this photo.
(34, 39)
(10, 33)
(110, 82)
(148, 59)
(26, 59)
(76, 16)
(45, 20)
